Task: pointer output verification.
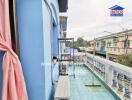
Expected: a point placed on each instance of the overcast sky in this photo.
(90, 18)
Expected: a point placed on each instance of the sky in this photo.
(90, 19)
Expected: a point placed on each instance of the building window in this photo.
(97, 44)
(109, 44)
(130, 43)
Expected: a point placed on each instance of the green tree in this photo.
(125, 60)
(79, 43)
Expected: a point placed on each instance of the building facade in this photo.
(120, 44)
(90, 47)
(100, 47)
(113, 45)
(37, 29)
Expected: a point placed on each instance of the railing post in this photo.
(99, 69)
(120, 82)
(128, 86)
(108, 74)
(115, 74)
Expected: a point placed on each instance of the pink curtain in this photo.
(14, 87)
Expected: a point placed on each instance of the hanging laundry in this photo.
(14, 87)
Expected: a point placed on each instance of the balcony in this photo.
(119, 51)
(96, 79)
(118, 77)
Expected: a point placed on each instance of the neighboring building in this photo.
(118, 44)
(100, 47)
(82, 49)
(111, 46)
(91, 47)
(97, 46)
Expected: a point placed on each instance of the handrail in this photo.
(117, 76)
(119, 67)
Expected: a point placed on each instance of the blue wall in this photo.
(35, 29)
(55, 41)
(56, 27)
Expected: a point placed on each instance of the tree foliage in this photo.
(79, 43)
(125, 60)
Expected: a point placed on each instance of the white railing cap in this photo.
(119, 67)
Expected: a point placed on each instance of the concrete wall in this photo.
(37, 33)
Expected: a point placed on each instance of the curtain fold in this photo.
(14, 87)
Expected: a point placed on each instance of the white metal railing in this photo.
(117, 76)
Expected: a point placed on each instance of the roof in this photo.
(117, 34)
(122, 33)
(116, 7)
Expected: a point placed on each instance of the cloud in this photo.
(89, 18)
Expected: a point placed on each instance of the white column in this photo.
(120, 82)
(114, 78)
(128, 90)
(109, 74)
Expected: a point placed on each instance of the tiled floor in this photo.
(81, 92)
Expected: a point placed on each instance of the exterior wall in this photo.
(109, 40)
(91, 47)
(113, 45)
(37, 33)
(130, 37)
(101, 47)
(117, 48)
(56, 26)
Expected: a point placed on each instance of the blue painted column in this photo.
(30, 29)
(55, 40)
(34, 29)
